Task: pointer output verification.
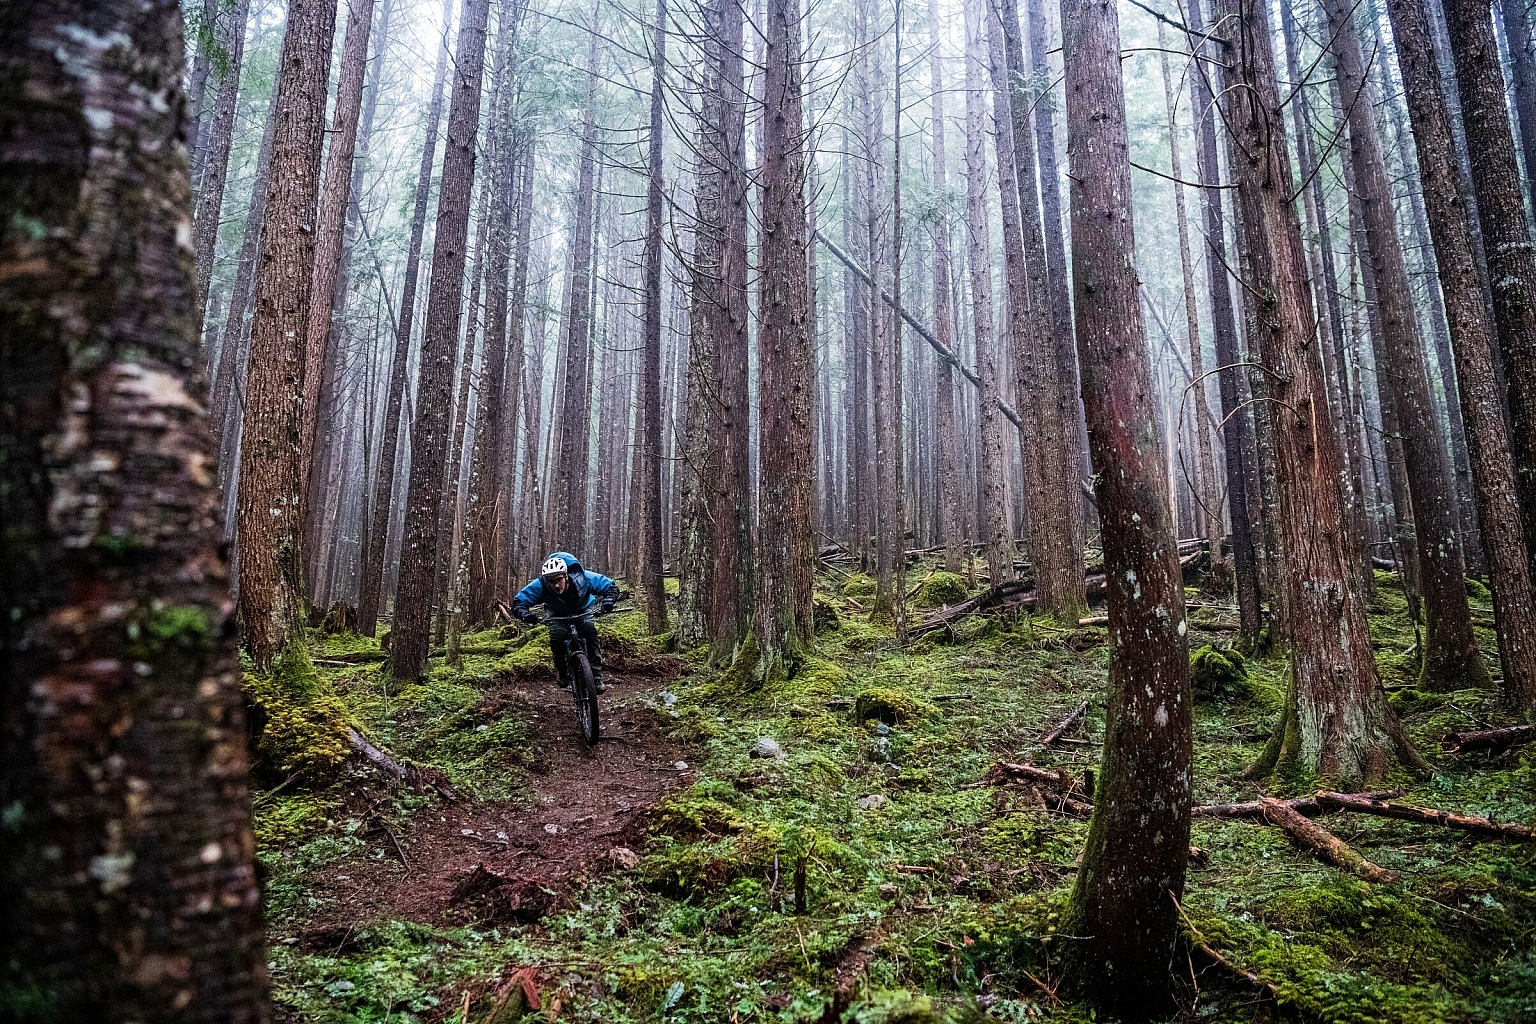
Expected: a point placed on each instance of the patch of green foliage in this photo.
(859, 586)
(301, 727)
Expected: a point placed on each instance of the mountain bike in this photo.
(578, 662)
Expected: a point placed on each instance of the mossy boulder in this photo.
(860, 587)
(1217, 674)
(942, 588)
(298, 724)
(1478, 592)
(889, 705)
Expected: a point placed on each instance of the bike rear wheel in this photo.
(586, 698)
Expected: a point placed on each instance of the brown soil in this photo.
(515, 860)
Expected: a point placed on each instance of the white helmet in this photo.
(554, 566)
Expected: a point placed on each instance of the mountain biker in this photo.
(565, 588)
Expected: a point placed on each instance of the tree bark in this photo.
(127, 864)
(1522, 65)
(1132, 872)
(370, 595)
(1054, 552)
(1506, 233)
(1472, 338)
(1450, 660)
(575, 418)
(1224, 331)
(434, 389)
(1336, 719)
(997, 540)
(486, 505)
(783, 624)
(270, 507)
(221, 135)
(947, 455)
(654, 590)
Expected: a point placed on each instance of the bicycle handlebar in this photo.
(585, 613)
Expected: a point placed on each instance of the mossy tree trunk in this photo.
(1450, 658)
(1123, 915)
(1336, 720)
(126, 857)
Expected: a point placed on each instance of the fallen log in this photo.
(1065, 724)
(1324, 843)
(1307, 805)
(1366, 804)
(1492, 740)
(408, 774)
(355, 658)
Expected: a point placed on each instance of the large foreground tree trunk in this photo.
(1124, 905)
(126, 863)
(270, 507)
(434, 389)
(1336, 720)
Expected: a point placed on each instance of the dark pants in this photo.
(560, 633)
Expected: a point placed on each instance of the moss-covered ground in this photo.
(925, 896)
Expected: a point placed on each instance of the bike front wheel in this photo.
(586, 698)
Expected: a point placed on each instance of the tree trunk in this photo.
(1054, 550)
(1488, 441)
(1224, 331)
(1506, 233)
(997, 540)
(1450, 660)
(575, 409)
(783, 625)
(270, 506)
(434, 389)
(1336, 720)
(1207, 503)
(221, 135)
(654, 589)
(1522, 64)
(321, 353)
(947, 456)
(371, 589)
(1126, 897)
(486, 508)
(126, 867)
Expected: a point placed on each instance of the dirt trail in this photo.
(584, 815)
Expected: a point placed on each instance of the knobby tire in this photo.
(586, 699)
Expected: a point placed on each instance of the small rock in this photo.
(889, 890)
(668, 697)
(482, 728)
(681, 766)
(872, 802)
(624, 857)
(882, 729)
(553, 829)
(767, 749)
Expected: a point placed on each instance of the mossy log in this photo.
(1492, 740)
(1367, 804)
(1324, 843)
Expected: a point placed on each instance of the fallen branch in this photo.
(1307, 805)
(411, 776)
(1065, 724)
(1366, 804)
(1492, 740)
(1094, 620)
(1324, 843)
(355, 658)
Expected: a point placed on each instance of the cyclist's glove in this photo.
(607, 606)
(521, 614)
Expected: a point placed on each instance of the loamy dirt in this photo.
(515, 860)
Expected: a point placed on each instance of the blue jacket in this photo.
(589, 589)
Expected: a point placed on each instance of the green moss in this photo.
(889, 705)
(530, 657)
(940, 589)
(164, 631)
(1478, 592)
(288, 819)
(826, 617)
(1217, 674)
(672, 586)
(859, 586)
(301, 726)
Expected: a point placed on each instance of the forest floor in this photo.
(653, 877)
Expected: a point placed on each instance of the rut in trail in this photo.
(514, 860)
